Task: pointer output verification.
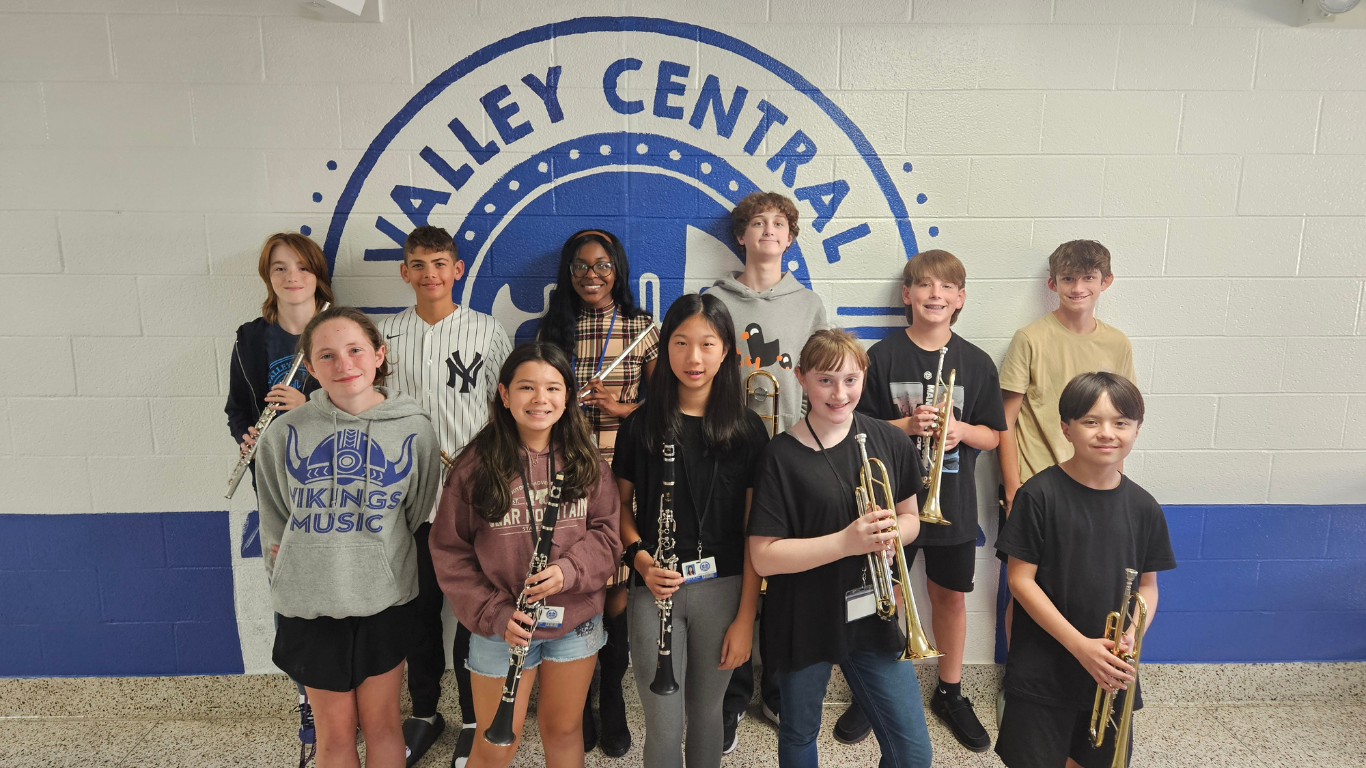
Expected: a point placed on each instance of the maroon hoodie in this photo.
(482, 566)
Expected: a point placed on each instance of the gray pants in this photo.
(702, 613)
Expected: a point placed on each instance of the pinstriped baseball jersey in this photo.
(450, 368)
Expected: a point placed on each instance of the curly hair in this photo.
(756, 203)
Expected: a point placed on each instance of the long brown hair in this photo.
(314, 261)
(494, 454)
(367, 326)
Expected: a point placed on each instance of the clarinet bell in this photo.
(664, 683)
(499, 732)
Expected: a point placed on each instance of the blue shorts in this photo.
(489, 655)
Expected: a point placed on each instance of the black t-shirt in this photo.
(280, 351)
(797, 496)
(1081, 539)
(723, 533)
(900, 375)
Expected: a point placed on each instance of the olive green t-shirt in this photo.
(1042, 358)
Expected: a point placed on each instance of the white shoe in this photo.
(770, 714)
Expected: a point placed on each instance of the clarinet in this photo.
(499, 732)
(665, 557)
(267, 416)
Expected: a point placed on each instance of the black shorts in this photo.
(339, 654)
(1039, 736)
(951, 566)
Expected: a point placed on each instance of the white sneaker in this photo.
(770, 714)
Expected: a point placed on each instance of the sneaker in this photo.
(308, 734)
(464, 743)
(853, 725)
(730, 740)
(1000, 707)
(769, 714)
(957, 714)
(419, 736)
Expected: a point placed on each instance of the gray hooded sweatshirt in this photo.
(770, 330)
(342, 495)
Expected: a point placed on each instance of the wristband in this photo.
(628, 556)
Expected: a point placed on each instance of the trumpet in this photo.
(499, 732)
(756, 393)
(267, 416)
(932, 512)
(1102, 712)
(875, 491)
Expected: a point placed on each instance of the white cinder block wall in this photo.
(148, 146)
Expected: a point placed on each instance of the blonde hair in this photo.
(313, 260)
(940, 265)
(827, 350)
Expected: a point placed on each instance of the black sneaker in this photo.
(957, 714)
(464, 743)
(853, 725)
(770, 712)
(728, 745)
(419, 736)
(615, 739)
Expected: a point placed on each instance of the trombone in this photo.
(1102, 712)
(932, 461)
(757, 392)
(875, 491)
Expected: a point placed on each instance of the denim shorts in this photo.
(489, 655)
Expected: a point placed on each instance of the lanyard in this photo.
(702, 510)
(839, 480)
(605, 342)
(526, 494)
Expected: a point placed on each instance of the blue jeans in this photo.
(887, 690)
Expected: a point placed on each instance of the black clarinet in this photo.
(499, 732)
(665, 558)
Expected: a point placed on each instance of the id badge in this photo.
(859, 604)
(552, 617)
(699, 570)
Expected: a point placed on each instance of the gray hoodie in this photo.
(342, 495)
(770, 330)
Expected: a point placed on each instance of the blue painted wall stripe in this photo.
(125, 594)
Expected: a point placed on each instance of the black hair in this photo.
(559, 324)
(1085, 389)
(494, 455)
(723, 426)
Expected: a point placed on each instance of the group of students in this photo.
(366, 532)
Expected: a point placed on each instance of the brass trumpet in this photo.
(932, 512)
(874, 491)
(1102, 712)
(756, 393)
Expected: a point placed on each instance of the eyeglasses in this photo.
(579, 269)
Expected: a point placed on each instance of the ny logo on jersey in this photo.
(467, 373)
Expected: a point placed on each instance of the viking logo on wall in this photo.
(652, 129)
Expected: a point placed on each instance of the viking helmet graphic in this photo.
(345, 452)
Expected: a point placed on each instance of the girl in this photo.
(346, 478)
(297, 285)
(592, 317)
(696, 396)
(482, 541)
(802, 539)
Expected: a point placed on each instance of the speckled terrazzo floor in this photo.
(1264, 716)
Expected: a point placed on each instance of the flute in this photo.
(267, 416)
(634, 343)
(499, 732)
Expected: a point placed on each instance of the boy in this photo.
(1074, 530)
(898, 390)
(774, 315)
(1044, 356)
(447, 358)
